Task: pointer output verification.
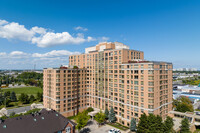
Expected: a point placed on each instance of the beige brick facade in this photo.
(119, 77)
(64, 90)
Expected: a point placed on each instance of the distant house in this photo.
(42, 122)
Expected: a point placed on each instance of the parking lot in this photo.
(104, 129)
(92, 127)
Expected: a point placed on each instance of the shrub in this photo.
(90, 109)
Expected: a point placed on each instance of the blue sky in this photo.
(46, 32)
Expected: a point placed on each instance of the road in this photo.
(18, 110)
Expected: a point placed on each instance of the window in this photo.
(68, 130)
(136, 82)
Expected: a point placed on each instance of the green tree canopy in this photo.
(143, 124)
(82, 120)
(32, 99)
(183, 104)
(39, 96)
(13, 97)
(100, 117)
(185, 126)
(112, 117)
(133, 125)
(154, 124)
(168, 125)
(106, 113)
(24, 98)
(90, 109)
(7, 94)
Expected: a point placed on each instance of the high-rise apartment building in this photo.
(64, 90)
(120, 78)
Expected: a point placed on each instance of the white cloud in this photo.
(15, 31)
(41, 36)
(91, 39)
(15, 59)
(2, 22)
(54, 53)
(53, 39)
(80, 28)
(2, 54)
(18, 53)
(103, 39)
(39, 30)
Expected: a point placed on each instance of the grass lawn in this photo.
(26, 90)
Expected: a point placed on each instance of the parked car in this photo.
(111, 131)
(117, 131)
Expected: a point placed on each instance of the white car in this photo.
(111, 131)
(117, 131)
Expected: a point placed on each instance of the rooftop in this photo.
(42, 122)
(145, 61)
(106, 45)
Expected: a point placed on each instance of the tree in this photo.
(39, 96)
(153, 124)
(168, 125)
(183, 104)
(24, 98)
(7, 102)
(184, 107)
(106, 113)
(13, 97)
(75, 67)
(7, 94)
(112, 117)
(133, 125)
(185, 126)
(100, 117)
(82, 120)
(90, 109)
(1, 98)
(159, 123)
(32, 99)
(143, 124)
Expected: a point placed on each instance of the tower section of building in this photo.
(64, 90)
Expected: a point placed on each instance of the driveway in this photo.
(105, 129)
(92, 127)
